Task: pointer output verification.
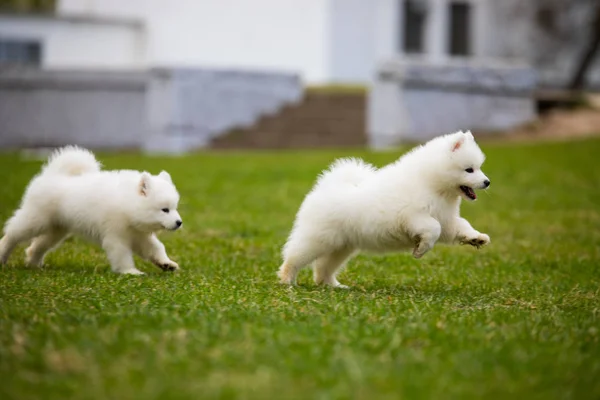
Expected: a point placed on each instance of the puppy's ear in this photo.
(144, 184)
(456, 143)
(165, 175)
(469, 135)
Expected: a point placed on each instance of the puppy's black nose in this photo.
(486, 183)
(178, 223)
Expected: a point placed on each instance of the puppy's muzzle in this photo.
(177, 225)
(485, 184)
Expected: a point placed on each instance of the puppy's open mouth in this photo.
(470, 193)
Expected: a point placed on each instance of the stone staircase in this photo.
(318, 120)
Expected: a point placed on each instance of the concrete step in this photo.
(319, 120)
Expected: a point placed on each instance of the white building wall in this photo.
(285, 35)
(387, 30)
(325, 40)
(352, 33)
(79, 42)
(367, 33)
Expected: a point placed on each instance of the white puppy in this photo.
(409, 204)
(120, 210)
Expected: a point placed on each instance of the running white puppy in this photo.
(120, 210)
(409, 204)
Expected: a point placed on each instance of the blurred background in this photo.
(180, 75)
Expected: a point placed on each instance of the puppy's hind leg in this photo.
(327, 267)
(296, 256)
(426, 231)
(41, 245)
(120, 256)
(23, 226)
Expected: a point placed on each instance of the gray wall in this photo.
(52, 108)
(417, 101)
(166, 110)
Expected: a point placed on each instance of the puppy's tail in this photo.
(71, 160)
(350, 171)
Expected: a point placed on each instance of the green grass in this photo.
(338, 89)
(519, 319)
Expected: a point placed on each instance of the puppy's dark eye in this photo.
(165, 210)
(469, 170)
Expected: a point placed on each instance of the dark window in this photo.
(415, 13)
(460, 29)
(20, 52)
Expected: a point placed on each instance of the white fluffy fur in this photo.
(120, 210)
(409, 204)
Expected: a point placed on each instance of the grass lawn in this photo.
(519, 319)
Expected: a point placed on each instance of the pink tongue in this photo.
(472, 192)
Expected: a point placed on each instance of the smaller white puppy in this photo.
(409, 204)
(120, 210)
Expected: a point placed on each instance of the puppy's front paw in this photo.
(421, 248)
(167, 265)
(480, 240)
(418, 253)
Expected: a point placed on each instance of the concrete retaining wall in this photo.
(415, 102)
(166, 110)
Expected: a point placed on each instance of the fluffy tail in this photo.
(350, 171)
(71, 160)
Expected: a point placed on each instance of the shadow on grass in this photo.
(73, 268)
